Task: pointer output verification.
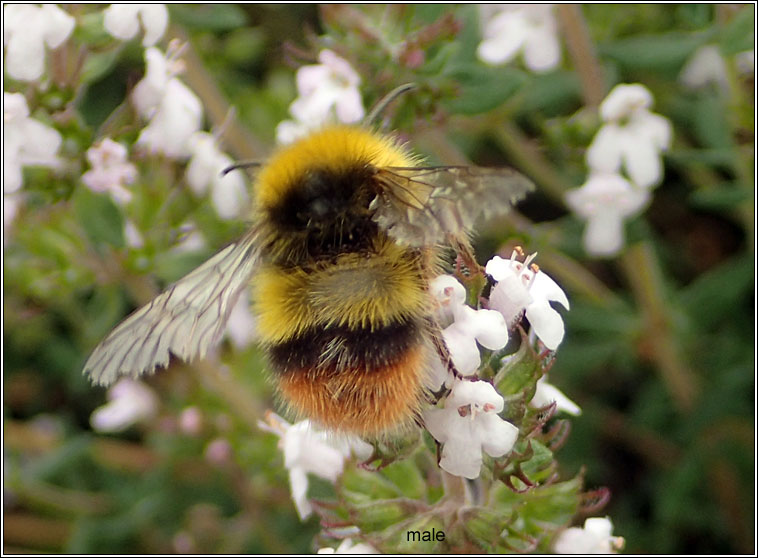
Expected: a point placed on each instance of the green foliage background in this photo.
(659, 349)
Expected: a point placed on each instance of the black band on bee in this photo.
(339, 348)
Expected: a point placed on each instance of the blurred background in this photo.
(660, 343)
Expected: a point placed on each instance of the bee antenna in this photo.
(385, 101)
(243, 165)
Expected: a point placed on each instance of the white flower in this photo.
(122, 21)
(705, 66)
(151, 89)
(347, 547)
(179, 115)
(521, 287)
(605, 200)
(594, 538)
(326, 92)
(26, 142)
(174, 111)
(110, 170)
(527, 28)
(449, 294)
(241, 324)
(205, 168)
(633, 137)
(469, 326)
(26, 30)
(307, 450)
(547, 393)
(468, 425)
(129, 401)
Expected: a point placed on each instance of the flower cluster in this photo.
(631, 140)
(469, 423)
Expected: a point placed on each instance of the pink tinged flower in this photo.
(469, 425)
(347, 547)
(26, 30)
(204, 171)
(524, 288)
(110, 170)
(547, 393)
(308, 450)
(129, 402)
(218, 451)
(604, 201)
(191, 421)
(527, 29)
(594, 538)
(632, 138)
(123, 21)
(26, 142)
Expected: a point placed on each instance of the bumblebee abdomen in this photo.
(347, 339)
(365, 382)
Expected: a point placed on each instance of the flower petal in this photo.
(546, 322)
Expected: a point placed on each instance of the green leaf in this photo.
(406, 475)
(209, 17)
(662, 53)
(723, 196)
(520, 372)
(711, 127)
(739, 34)
(482, 88)
(552, 94)
(720, 292)
(98, 64)
(100, 217)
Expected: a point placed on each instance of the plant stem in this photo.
(645, 279)
(582, 53)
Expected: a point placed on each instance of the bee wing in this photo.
(187, 319)
(428, 205)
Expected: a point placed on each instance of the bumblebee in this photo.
(348, 230)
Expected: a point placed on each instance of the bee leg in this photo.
(443, 351)
(465, 255)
